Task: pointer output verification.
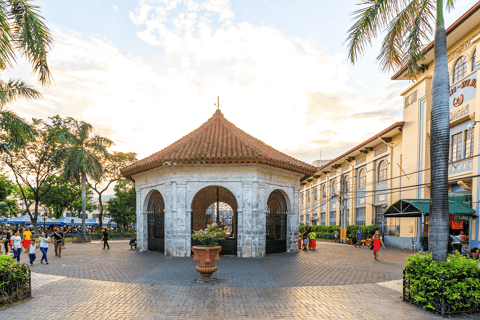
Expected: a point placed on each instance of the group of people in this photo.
(457, 242)
(22, 240)
(309, 239)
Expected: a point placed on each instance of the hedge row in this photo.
(367, 231)
(15, 281)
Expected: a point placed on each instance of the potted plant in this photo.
(209, 251)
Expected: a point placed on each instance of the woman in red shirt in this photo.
(377, 240)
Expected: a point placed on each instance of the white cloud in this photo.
(117, 9)
(270, 83)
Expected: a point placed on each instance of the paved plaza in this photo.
(333, 282)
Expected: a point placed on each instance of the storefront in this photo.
(460, 218)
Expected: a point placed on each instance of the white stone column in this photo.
(246, 226)
(292, 222)
(142, 224)
(261, 220)
(169, 218)
(182, 228)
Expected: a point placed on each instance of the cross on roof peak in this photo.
(218, 103)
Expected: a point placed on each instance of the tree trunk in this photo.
(84, 205)
(439, 145)
(100, 215)
(35, 217)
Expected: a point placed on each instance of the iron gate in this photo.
(276, 226)
(156, 222)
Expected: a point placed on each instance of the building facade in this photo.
(382, 171)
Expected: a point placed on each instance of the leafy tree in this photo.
(409, 25)
(22, 31)
(34, 164)
(83, 157)
(122, 207)
(63, 194)
(110, 174)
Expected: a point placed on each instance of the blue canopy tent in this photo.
(105, 222)
(25, 220)
(3, 220)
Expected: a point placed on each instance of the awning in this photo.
(415, 208)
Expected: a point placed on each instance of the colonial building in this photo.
(252, 187)
(392, 169)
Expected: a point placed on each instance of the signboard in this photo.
(463, 91)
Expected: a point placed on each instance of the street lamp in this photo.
(44, 216)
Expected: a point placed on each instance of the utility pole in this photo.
(344, 205)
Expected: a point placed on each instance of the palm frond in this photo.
(406, 34)
(450, 5)
(31, 36)
(370, 20)
(16, 90)
(18, 131)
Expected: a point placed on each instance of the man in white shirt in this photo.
(16, 241)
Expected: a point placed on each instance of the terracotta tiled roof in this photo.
(218, 141)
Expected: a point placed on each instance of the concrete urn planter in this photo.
(206, 257)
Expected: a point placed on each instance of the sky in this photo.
(145, 73)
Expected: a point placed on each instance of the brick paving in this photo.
(334, 282)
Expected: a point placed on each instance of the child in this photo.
(44, 246)
(133, 243)
(31, 252)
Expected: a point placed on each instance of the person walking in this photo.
(16, 242)
(44, 246)
(312, 242)
(2, 240)
(358, 235)
(58, 242)
(336, 236)
(377, 241)
(105, 239)
(31, 252)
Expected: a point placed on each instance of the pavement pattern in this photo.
(333, 282)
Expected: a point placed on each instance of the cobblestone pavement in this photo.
(333, 282)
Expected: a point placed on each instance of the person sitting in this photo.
(133, 243)
(474, 250)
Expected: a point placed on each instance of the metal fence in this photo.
(438, 298)
(13, 289)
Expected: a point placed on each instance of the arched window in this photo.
(362, 178)
(347, 184)
(460, 68)
(474, 60)
(382, 171)
(334, 187)
(324, 192)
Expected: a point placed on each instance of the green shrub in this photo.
(301, 228)
(352, 230)
(325, 235)
(14, 281)
(332, 229)
(392, 233)
(457, 280)
(369, 231)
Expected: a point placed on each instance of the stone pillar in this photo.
(261, 221)
(169, 218)
(177, 243)
(248, 229)
(142, 224)
(293, 222)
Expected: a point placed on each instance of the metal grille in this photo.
(276, 216)
(156, 222)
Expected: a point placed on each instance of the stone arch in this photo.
(155, 210)
(202, 200)
(276, 222)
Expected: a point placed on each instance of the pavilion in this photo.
(218, 173)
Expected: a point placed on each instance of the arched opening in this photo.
(156, 222)
(276, 223)
(216, 204)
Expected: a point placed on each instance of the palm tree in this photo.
(82, 157)
(23, 31)
(409, 25)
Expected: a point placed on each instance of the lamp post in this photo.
(44, 216)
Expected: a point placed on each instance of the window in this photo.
(457, 147)
(301, 198)
(334, 187)
(474, 60)
(333, 218)
(460, 69)
(323, 218)
(324, 192)
(362, 178)
(360, 214)
(382, 171)
(378, 216)
(347, 212)
(469, 143)
(315, 193)
(308, 196)
(307, 219)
